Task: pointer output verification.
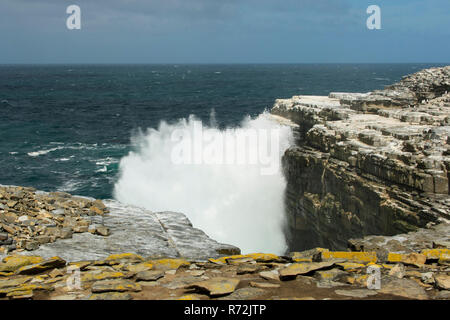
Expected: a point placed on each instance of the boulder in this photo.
(442, 281)
(13, 263)
(49, 264)
(216, 286)
(405, 288)
(295, 269)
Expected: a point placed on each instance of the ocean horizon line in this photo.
(214, 64)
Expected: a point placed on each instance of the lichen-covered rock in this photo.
(15, 262)
(111, 279)
(116, 285)
(358, 257)
(217, 286)
(411, 258)
(169, 264)
(296, 269)
(49, 264)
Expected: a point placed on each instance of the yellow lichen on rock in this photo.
(91, 276)
(6, 274)
(169, 264)
(262, 257)
(117, 258)
(144, 266)
(258, 257)
(351, 266)
(25, 287)
(306, 256)
(435, 253)
(410, 258)
(80, 264)
(223, 260)
(20, 294)
(359, 257)
(189, 297)
(117, 285)
(15, 262)
(51, 263)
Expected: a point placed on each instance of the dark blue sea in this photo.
(66, 127)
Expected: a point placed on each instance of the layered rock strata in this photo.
(373, 163)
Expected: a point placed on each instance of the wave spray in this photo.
(227, 181)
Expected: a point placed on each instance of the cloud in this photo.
(171, 14)
(222, 30)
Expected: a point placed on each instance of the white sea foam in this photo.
(104, 169)
(233, 203)
(42, 152)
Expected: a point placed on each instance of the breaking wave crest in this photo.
(234, 202)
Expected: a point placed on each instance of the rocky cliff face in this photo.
(373, 163)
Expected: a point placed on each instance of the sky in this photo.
(224, 31)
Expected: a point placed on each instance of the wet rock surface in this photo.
(368, 163)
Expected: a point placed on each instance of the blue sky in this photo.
(224, 31)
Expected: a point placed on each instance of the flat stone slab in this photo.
(216, 286)
(150, 275)
(405, 288)
(245, 294)
(117, 285)
(358, 293)
(303, 268)
(137, 230)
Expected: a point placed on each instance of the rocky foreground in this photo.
(57, 246)
(309, 275)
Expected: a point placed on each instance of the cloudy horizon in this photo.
(226, 31)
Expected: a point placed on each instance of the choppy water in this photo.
(67, 127)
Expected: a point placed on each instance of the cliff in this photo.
(368, 163)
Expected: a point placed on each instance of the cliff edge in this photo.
(372, 163)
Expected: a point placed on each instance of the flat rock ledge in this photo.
(79, 228)
(316, 274)
(374, 163)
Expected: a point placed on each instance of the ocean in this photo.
(100, 130)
